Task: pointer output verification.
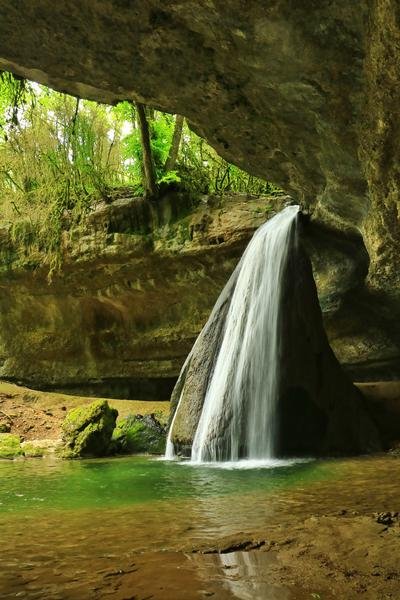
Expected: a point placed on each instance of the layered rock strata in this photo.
(138, 283)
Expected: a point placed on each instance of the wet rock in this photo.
(319, 410)
(236, 546)
(137, 434)
(87, 430)
(33, 451)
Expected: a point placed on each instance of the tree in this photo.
(60, 155)
(149, 183)
(176, 140)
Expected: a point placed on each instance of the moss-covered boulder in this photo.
(10, 445)
(87, 430)
(137, 434)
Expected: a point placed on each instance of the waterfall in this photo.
(169, 448)
(238, 418)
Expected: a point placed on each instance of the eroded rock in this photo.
(131, 298)
(139, 283)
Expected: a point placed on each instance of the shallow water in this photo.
(68, 529)
(44, 485)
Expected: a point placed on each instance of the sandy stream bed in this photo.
(338, 553)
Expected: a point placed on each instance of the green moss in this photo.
(138, 434)
(33, 451)
(10, 445)
(87, 430)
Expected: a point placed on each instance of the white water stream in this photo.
(238, 418)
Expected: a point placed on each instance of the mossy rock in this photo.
(33, 451)
(87, 430)
(10, 445)
(139, 434)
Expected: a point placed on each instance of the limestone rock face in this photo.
(302, 93)
(139, 282)
(87, 430)
(136, 288)
(319, 411)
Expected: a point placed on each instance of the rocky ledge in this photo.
(138, 282)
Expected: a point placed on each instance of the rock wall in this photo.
(136, 287)
(138, 283)
(302, 93)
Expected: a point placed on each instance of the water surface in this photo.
(67, 526)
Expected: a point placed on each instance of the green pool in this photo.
(60, 518)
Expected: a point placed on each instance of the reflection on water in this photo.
(58, 519)
(248, 463)
(242, 576)
(47, 484)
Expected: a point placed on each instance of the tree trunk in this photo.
(149, 182)
(176, 140)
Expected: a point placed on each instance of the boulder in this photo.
(87, 430)
(319, 410)
(139, 434)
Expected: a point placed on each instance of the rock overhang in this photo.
(303, 94)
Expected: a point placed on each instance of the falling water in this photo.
(238, 418)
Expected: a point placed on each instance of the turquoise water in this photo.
(50, 484)
(68, 529)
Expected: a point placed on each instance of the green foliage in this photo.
(14, 94)
(10, 446)
(56, 158)
(161, 130)
(203, 170)
(170, 177)
(162, 126)
(59, 155)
